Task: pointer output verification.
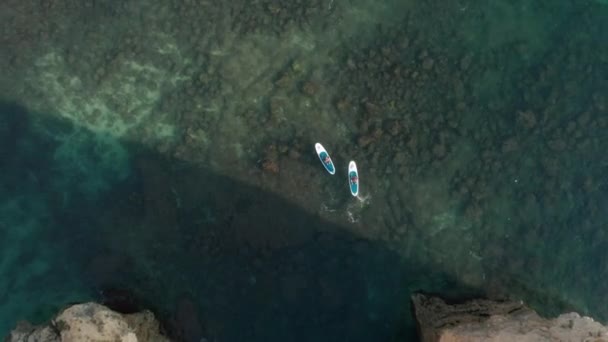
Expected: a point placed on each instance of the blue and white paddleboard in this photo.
(353, 178)
(325, 159)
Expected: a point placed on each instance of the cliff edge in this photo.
(91, 322)
(487, 320)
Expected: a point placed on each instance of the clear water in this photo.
(167, 151)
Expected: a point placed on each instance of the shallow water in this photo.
(166, 152)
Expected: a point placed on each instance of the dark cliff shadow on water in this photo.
(220, 259)
(211, 256)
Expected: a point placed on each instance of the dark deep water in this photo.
(170, 165)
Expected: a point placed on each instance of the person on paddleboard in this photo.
(353, 178)
(325, 159)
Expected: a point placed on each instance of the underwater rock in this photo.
(527, 119)
(343, 105)
(365, 140)
(270, 162)
(91, 322)
(487, 320)
(310, 88)
(393, 127)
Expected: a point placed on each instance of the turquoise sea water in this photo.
(161, 155)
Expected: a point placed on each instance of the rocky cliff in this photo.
(91, 322)
(486, 320)
(438, 321)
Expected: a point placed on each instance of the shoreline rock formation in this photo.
(437, 321)
(487, 320)
(91, 322)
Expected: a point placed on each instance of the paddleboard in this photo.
(325, 159)
(353, 178)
